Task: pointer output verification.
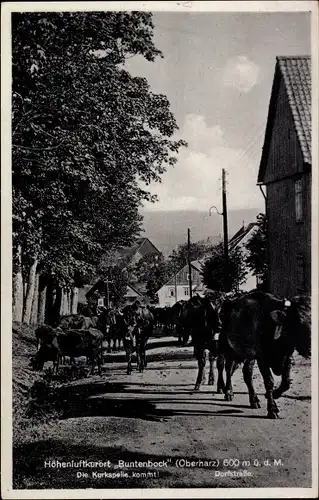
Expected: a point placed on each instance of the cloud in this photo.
(195, 181)
(241, 74)
(199, 135)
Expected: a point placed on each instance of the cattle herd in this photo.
(241, 329)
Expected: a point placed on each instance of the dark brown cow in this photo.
(73, 343)
(204, 326)
(138, 323)
(178, 313)
(260, 327)
(78, 322)
(108, 324)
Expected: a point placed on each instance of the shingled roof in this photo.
(240, 235)
(296, 74)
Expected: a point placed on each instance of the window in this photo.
(300, 273)
(298, 200)
(100, 302)
(171, 292)
(186, 291)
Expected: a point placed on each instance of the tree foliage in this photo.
(179, 258)
(257, 257)
(153, 271)
(218, 277)
(85, 133)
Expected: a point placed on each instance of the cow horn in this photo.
(278, 332)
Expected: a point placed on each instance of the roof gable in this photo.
(125, 255)
(195, 264)
(295, 71)
(132, 292)
(241, 235)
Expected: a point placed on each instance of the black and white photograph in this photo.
(159, 259)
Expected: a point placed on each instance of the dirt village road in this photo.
(156, 417)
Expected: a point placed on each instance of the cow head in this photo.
(294, 324)
(37, 361)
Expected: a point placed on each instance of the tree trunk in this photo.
(56, 306)
(42, 301)
(69, 300)
(74, 300)
(35, 301)
(30, 292)
(17, 285)
(49, 304)
(64, 302)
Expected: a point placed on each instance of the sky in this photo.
(217, 73)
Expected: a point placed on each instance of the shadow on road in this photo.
(119, 357)
(115, 399)
(298, 398)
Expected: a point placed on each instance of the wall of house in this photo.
(250, 283)
(182, 277)
(166, 295)
(289, 241)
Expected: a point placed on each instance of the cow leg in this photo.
(185, 336)
(145, 362)
(179, 333)
(109, 345)
(211, 377)
(229, 368)
(56, 365)
(99, 363)
(272, 409)
(142, 357)
(285, 379)
(248, 378)
(201, 360)
(129, 361)
(139, 358)
(220, 369)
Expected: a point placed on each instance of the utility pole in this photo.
(107, 289)
(225, 228)
(175, 283)
(189, 263)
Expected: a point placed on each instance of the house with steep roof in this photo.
(240, 240)
(135, 252)
(285, 171)
(177, 287)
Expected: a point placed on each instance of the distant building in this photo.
(97, 292)
(177, 287)
(285, 170)
(240, 240)
(123, 257)
(132, 254)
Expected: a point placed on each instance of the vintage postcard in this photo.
(159, 249)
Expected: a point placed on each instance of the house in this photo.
(132, 254)
(177, 287)
(239, 240)
(285, 171)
